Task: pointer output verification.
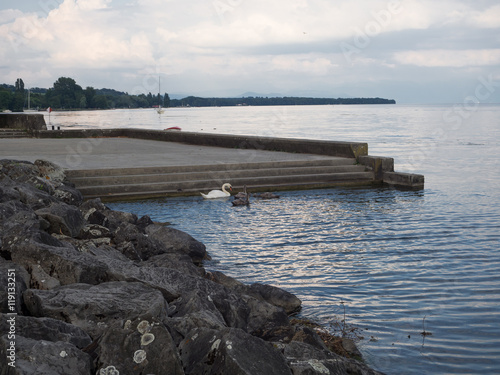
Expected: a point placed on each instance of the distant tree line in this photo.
(66, 94)
(193, 101)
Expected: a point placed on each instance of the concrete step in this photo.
(212, 175)
(131, 183)
(10, 133)
(76, 173)
(184, 187)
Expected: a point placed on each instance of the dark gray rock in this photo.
(175, 240)
(41, 279)
(92, 211)
(61, 262)
(43, 357)
(268, 293)
(68, 194)
(50, 171)
(14, 280)
(116, 218)
(133, 243)
(177, 261)
(94, 308)
(138, 347)
(7, 189)
(200, 296)
(46, 329)
(63, 218)
(144, 222)
(230, 351)
(18, 170)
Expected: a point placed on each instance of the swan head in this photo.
(227, 186)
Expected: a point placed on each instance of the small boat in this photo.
(173, 128)
(159, 110)
(29, 103)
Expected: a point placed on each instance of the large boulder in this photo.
(268, 293)
(138, 346)
(47, 329)
(50, 171)
(43, 357)
(63, 219)
(94, 307)
(60, 261)
(230, 351)
(175, 240)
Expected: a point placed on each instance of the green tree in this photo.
(19, 85)
(83, 102)
(17, 103)
(166, 100)
(69, 92)
(5, 98)
(101, 102)
(89, 96)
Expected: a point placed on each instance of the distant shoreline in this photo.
(193, 101)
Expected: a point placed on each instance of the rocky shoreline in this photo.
(88, 290)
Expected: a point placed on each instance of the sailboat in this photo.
(29, 104)
(160, 110)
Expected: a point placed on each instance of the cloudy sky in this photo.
(414, 51)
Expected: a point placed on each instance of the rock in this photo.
(7, 190)
(134, 244)
(18, 170)
(61, 262)
(68, 194)
(43, 357)
(230, 351)
(63, 218)
(95, 231)
(52, 172)
(200, 296)
(144, 222)
(175, 240)
(177, 261)
(92, 211)
(14, 280)
(34, 197)
(46, 329)
(41, 280)
(138, 346)
(273, 295)
(116, 218)
(94, 307)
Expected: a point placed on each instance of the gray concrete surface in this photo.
(99, 153)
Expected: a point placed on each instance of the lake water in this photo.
(400, 262)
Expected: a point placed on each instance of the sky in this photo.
(413, 51)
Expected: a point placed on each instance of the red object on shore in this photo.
(49, 109)
(173, 128)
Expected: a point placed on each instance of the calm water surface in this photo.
(400, 262)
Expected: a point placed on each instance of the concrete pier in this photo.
(135, 163)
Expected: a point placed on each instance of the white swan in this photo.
(218, 193)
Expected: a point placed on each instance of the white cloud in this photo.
(489, 18)
(449, 58)
(117, 43)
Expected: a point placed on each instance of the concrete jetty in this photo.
(116, 164)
